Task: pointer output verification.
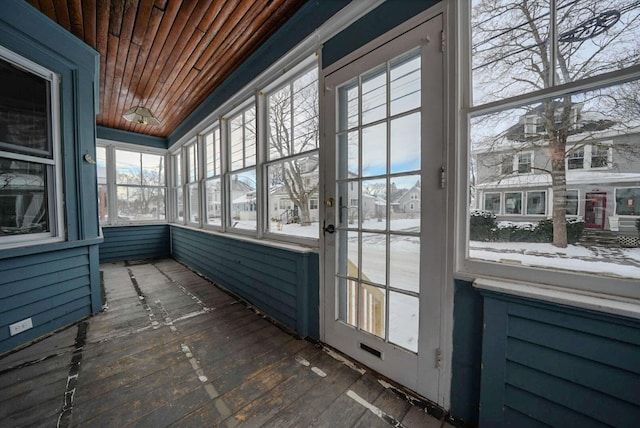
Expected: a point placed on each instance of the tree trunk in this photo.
(559, 186)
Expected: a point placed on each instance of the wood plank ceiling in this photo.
(166, 55)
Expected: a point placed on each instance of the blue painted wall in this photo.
(549, 365)
(131, 137)
(134, 242)
(35, 282)
(282, 283)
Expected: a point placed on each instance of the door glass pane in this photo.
(347, 290)
(405, 194)
(374, 96)
(372, 309)
(374, 150)
(404, 262)
(405, 143)
(374, 204)
(405, 83)
(374, 258)
(404, 320)
(348, 253)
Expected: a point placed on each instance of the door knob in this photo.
(329, 228)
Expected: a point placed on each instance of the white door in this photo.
(385, 205)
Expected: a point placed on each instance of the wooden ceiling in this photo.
(166, 55)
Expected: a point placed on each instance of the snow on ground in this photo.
(619, 262)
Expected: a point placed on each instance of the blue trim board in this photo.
(131, 137)
(385, 17)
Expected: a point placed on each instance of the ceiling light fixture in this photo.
(141, 115)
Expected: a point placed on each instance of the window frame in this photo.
(53, 166)
(111, 147)
(462, 110)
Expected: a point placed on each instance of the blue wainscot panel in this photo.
(282, 283)
(134, 242)
(53, 289)
(549, 365)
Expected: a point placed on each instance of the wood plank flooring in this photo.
(171, 349)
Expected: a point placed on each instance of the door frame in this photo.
(451, 105)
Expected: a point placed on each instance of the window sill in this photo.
(609, 304)
(298, 248)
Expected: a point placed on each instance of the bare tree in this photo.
(293, 129)
(514, 52)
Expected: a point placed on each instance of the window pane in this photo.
(24, 111)
(374, 204)
(406, 197)
(212, 149)
(194, 203)
(177, 168)
(628, 200)
(374, 150)
(405, 143)
(192, 163)
(513, 203)
(536, 203)
(575, 159)
(492, 202)
(293, 197)
(404, 320)
(243, 200)
(237, 142)
(152, 169)
(179, 204)
(140, 203)
(101, 172)
(508, 58)
(214, 204)
(374, 96)
(128, 168)
(23, 197)
(349, 109)
(572, 202)
(596, 37)
(305, 112)
(405, 83)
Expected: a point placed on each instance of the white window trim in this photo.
(55, 208)
(577, 214)
(462, 109)
(110, 147)
(522, 202)
(516, 162)
(526, 203)
(615, 202)
(484, 201)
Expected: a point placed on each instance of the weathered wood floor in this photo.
(186, 355)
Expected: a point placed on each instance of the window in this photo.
(242, 179)
(293, 167)
(524, 163)
(600, 156)
(30, 175)
(140, 186)
(193, 184)
(575, 159)
(553, 82)
(536, 203)
(492, 202)
(513, 203)
(628, 201)
(506, 167)
(573, 199)
(176, 162)
(101, 169)
(213, 172)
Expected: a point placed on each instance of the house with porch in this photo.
(178, 95)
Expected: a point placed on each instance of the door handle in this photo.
(329, 228)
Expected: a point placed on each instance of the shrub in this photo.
(482, 225)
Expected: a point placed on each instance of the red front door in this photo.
(595, 205)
